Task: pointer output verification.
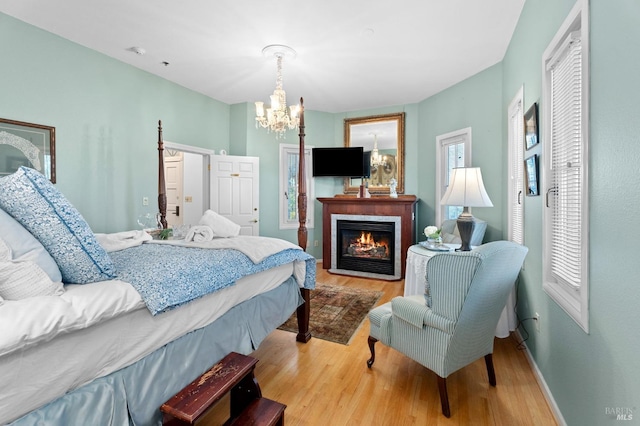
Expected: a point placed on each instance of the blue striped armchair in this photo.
(453, 324)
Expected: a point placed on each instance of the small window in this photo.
(566, 124)
(453, 151)
(289, 155)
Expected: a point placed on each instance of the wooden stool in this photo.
(234, 374)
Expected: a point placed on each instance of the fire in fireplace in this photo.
(366, 246)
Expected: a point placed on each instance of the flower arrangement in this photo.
(432, 232)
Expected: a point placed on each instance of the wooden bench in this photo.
(234, 374)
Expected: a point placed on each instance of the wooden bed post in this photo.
(304, 335)
(162, 191)
(302, 186)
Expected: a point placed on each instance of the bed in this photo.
(131, 331)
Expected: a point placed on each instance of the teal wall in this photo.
(474, 103)
(588, 373)
(106, 113)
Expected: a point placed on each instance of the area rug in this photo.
(336, 312)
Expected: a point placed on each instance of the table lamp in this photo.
(466, 189)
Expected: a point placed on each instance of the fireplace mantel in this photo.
(403, 206)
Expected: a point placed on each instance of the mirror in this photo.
(384, 134)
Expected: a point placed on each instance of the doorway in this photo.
(226, 184)
(187, 183)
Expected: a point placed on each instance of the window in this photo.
(515, 120)
(452, 150)
(289, 155)
(565, 120)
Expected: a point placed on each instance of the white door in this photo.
(173, 166)
(234, 190)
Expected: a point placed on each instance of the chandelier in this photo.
(278, 119)
(376, 158)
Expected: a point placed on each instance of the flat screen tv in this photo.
(338, 162)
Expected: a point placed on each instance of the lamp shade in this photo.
(466, 189)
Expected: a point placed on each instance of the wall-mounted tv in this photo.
(338, 162)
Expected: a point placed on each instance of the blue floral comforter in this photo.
(167, 276)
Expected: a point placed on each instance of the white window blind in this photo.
(516, 170)
(565, 193)
(565, 144)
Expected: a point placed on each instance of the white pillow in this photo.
(22, 279)
(24, 246)
(221, 226)
(5, 251)
(19, 280)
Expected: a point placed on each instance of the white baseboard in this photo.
(555, 410)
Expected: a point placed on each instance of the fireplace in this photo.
(365, 245)
(400, 212)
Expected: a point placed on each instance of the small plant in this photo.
(165, 234)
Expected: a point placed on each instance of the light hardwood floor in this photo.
(325, 383)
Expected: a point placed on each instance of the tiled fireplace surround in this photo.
(400, 211)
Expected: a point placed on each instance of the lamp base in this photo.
(465, 223)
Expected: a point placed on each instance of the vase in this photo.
(435, 241)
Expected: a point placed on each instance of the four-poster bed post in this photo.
(303, 310)
(162, 191)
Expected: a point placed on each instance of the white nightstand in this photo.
(417, 258)
(415, 280)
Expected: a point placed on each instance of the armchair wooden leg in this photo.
(372, 341)
(488, 359)
(444, 397)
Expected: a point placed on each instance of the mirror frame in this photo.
(399, 118)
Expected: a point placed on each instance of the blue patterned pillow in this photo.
(34, 202)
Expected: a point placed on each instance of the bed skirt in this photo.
(133, 395)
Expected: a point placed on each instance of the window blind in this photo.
(516, 173)
(565, 192)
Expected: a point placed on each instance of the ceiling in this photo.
(351, 54)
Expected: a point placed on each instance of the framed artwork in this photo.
(531, 172)
(27, 144)
(531, 126)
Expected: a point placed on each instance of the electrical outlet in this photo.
(536, 318)
(145, 201)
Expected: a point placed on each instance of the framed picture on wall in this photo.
(27, 144)
(531, 126)
(531, 175)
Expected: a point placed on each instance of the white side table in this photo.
(415, 280)
(414, 277)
